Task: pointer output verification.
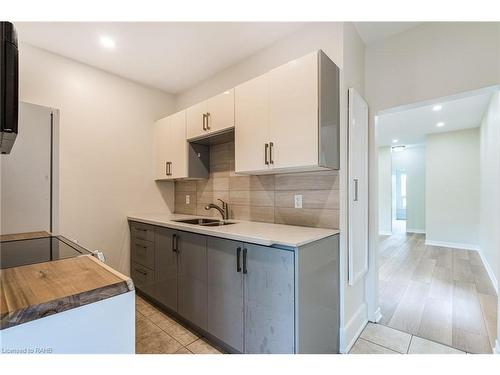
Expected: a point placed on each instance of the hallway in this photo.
(437, 293)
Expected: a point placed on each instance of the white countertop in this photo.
(266, 234)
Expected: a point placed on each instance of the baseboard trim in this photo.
(352, 330)
(419, 231)
(377, 315)
(385, 233)
(456, 245)
(490, 272)
(496, 349)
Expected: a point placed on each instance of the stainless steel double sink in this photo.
(205, 222)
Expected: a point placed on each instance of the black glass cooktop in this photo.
(37, 250)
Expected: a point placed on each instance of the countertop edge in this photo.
(209, 231)
(42, 310)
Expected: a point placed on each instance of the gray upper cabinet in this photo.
(165, 287)
(192, 278)
(269, 299)
(225, 291)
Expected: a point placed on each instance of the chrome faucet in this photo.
(224, 210)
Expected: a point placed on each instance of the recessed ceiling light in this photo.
(437, 107)
(398, 148)
(107, 42)
(395, 140)
(440, 124)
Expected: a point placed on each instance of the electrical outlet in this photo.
(188, 199)
(298, 200)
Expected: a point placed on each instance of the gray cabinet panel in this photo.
(143, 252)
(269, 300)
(225, 292)
(142, 231)
(142, 276)
(192, 289)
(165, 286)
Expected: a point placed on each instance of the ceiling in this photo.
(372, 32)
(171, 56)
(412, 125)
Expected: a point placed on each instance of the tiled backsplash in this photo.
(268, 198)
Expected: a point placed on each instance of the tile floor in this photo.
(379, 339)
(437, 293)
(158, 333)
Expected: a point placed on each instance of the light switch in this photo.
(298, 200)
(188, 199)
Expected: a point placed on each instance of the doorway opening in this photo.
(438, 204)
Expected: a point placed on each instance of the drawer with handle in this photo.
(142, 276)
(142, 232)
(143, 252)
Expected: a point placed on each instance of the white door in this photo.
(161, 140)
(358, 186)
(26, 174)
(220, 109)
(251, 133)
(196, 122)
(178, 145)
(293, 113)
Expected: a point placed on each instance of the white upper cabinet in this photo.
(162, 145)
(175, 157)
(293, 113)
(288, 119)
(252, 131)
(178, 150)
(211, 116)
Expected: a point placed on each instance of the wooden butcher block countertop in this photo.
(38, 290)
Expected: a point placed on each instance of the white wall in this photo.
(412, 161)
(106, 153)
(489, 234)
(432, 60)
(452, 188)
(384, 190)
(25, 198)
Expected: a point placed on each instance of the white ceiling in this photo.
(171, 56)
(412, 125)
(374, 31)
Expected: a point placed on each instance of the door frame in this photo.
(371, 287)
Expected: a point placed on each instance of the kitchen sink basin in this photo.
(205, 222)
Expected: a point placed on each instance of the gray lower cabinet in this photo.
(252, 298)
(165, 286)
(225, 291)
(192, 277)
(269, 299)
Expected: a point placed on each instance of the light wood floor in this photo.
(440, 294)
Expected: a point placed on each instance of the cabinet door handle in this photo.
(173, 243)
(238, 255)
(170, 168)
(245, 260)
(144, 273)
(208, 120)
(355, 190)
(176, 243)
(271, 161)
(266, 147)
(166, 168)
(204, 119)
